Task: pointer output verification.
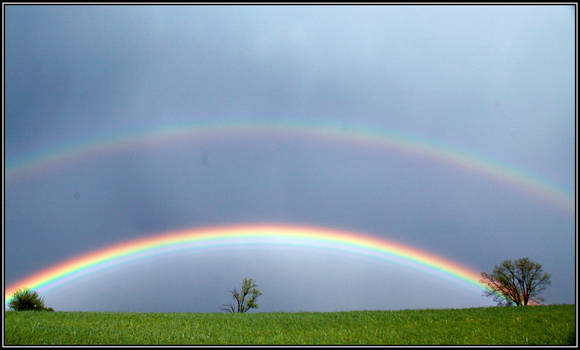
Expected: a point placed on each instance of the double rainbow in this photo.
(335, 133)
(247, 235)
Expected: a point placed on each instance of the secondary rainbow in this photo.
(247, 235)
(357, 135)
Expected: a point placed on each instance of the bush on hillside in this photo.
(27, 300)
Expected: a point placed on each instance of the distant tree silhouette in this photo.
(27, 300)
(245, 299)
(516, 283)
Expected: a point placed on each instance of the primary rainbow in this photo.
(247, 235)
(358, 135)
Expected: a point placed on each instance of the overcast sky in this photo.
(493, 81)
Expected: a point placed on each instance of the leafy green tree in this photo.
(516, 283)
(245, 299)
(27, 300)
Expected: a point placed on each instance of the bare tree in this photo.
(245, 299)
(518, 282)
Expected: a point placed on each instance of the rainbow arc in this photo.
(248, 235)
(35, 163)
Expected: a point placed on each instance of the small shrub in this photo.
(27, 300)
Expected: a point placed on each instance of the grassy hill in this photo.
(538, 325)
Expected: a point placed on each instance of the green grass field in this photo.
(539, 325)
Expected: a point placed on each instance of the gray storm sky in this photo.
(494, 81)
